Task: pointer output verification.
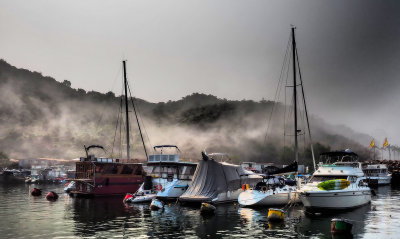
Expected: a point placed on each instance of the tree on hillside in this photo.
(67, 83)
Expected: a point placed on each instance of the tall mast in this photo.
(126, 112)
(296, 150)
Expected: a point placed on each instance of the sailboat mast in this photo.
(296, 146)
(126, 112)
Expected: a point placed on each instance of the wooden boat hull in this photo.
(107, 186)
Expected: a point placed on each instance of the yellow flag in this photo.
(372, 144)
(385, 144)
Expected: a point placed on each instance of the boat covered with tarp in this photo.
(217, 182)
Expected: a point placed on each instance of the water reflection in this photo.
(24, 216)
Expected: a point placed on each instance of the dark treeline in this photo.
(42, 117)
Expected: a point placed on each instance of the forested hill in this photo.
(42, 117)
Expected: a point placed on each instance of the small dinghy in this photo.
(52, 196)
(143, 199)
(276, 215)
(207, 209)
(36, 192)
(156, 205)
(69, 187)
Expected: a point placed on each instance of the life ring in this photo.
(159, 187)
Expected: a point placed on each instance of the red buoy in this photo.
(52, 196)
(36, 192)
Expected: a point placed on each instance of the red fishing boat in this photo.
(101, 176)
(106, 176)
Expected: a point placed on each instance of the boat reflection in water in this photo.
(318, 224)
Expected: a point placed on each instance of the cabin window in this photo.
(164, 157)
(127, 169)
(186, 172)
(109, 169)
(138, 170)
(352, 179)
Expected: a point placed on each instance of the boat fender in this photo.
(373, 193)
(244, 187)
(52, 196)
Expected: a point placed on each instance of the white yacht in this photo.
(169, 177)
(377, 174)
(353, 193)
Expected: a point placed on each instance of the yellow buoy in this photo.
(275, 214)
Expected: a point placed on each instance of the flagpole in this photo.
(374, 152)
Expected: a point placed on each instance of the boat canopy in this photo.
(339, 156)
(339, 153)
(212, 178)
(288, 169)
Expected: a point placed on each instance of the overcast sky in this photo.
(349, 50)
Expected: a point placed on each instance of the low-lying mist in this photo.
(41, 117)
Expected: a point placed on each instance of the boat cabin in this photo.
(168, 166)
(376, 170)
(338, 156)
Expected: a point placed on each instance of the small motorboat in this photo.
(69, 187)
(272, 191)
(144, 198)
(52, 196)
(36, 192)
(156, 205)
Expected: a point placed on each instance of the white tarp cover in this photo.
(212, 178)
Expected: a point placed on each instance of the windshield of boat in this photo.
(322, 178)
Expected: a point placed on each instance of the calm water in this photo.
(24, 216)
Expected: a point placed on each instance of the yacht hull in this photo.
(173, 190)
(335, 199)
(379, 180)
(268, 198)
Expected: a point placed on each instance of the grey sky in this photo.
(349, 50)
